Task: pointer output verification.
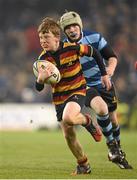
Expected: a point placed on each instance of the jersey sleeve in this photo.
(85, 50)
(102, 43)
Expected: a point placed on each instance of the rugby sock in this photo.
(106, 126)
(88, 121)
(116, 132)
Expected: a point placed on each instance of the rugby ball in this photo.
(54, 78)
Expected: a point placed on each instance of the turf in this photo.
(44, 155)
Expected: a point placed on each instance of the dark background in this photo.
(19, 43)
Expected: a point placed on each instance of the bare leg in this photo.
(72, 115)
(72, 141)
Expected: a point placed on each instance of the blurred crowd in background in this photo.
(19, 43)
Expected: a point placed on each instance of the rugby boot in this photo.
(82, 169)
(117, 156)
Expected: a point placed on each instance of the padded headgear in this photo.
(69, 18)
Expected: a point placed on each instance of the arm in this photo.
(97, 56)
(105, 78)
(44, 73)
(112, 63)
(39, 86)
(90, 51)
(87, 50)
(108, 54)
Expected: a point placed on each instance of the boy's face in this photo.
(73, 32)
(48, 41)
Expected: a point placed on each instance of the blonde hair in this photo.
(49, 25)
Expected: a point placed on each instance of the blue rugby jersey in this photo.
(90, 68)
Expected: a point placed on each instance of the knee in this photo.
(68, 119)
(99, 106)
(102, 109)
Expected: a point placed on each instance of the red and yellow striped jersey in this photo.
(66, 58)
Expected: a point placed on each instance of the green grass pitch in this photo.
(44, 155)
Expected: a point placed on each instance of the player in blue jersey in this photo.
(102, 101)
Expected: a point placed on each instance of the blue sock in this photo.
(106, 126)
(116, 132)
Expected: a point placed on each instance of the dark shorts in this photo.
(108, 96)
(75, 98)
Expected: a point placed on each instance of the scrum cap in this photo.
(69, 18)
